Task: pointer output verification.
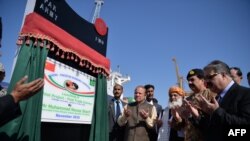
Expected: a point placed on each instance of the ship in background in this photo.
(115, 76)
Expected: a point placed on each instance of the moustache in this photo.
(191, 85)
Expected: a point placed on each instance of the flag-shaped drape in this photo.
(30, 62)
(99, 126)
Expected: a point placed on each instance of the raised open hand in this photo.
(206, 106)
(23, 91)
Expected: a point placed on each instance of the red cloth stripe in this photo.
(39, 27)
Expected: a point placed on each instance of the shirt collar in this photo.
(151, 102)
(223, 93)
(114, 100)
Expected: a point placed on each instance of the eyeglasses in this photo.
(211, 76)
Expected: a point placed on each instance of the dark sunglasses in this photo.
(210, 77)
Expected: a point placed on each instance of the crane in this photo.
(179, 78)
(98, 5)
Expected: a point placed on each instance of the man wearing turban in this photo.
(171, 120)
(176, 96)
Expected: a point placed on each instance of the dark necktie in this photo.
(118, 110)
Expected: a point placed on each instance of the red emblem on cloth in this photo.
(100, 26)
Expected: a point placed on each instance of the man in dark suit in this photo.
(236, 74)
(230, 110)
(153, 101)
(9, 104)
(116, 133)
(248, 78)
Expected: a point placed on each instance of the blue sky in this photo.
(144, 36)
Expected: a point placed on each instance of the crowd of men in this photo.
(216, 104)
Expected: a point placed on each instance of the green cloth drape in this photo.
(99, 126)
(31, 61)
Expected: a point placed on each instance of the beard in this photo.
(175, 104)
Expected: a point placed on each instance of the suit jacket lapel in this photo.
(112, 109)
(228, 96)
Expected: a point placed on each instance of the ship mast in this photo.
(98, 5)
(179, 78)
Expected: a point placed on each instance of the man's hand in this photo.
(143, 114)
(23, 91)
(127, 112)
(206, 106)
(191, 108)
(176, 115)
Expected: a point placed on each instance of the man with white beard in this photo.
(171, 120)
(175, 104)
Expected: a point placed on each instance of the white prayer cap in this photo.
(1, 68)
